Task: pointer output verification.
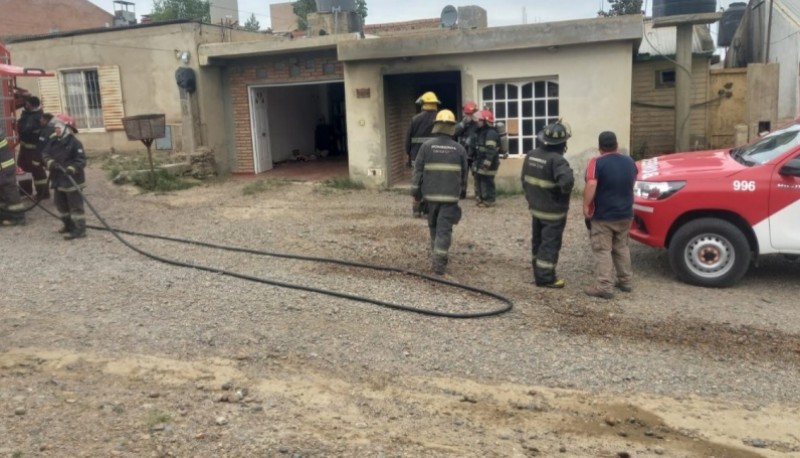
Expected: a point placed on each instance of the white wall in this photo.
(595, 95)
(785, 50)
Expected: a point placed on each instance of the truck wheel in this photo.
(709, 252)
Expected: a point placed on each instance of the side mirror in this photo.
(791, 168)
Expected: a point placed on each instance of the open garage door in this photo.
(299, 124)
(401, 92)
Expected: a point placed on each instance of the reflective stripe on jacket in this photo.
(548, 181)
(440, 171)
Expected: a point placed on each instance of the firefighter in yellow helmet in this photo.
(419, 132)
(440, 176)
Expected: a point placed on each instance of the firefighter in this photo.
(465, 135)
(487, 158)
(440, 176)
(47, 132)
(11, 207)
(29, 127)
(418, 133)
(65, 158)
(548, 180)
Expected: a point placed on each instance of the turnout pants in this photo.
(70, 208)
(485, 190)
(611, 253)
(30, 160)
(546, 237)
(10, 202)
(441, 219)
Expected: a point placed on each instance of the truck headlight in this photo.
(657, 190)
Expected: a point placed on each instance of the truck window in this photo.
(769, 147)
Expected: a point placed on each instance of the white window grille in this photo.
(525, 107)
(82, 97)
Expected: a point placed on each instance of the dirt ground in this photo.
(146, 360)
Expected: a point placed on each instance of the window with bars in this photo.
(82, 98)
(525, 107)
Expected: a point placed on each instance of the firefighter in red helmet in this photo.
(66, 160)
(487, 158)
(465, 135)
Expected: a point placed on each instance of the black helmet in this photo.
(556, 133)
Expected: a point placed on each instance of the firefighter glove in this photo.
(71, 170)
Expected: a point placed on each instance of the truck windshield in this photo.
(769, 146)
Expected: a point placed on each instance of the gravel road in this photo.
(104, 352)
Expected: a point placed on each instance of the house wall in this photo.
(37, 17)
(653, 129)
(318, 66)
(147, 63)
(785, 49)
(595, 95)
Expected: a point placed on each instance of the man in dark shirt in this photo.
(608, 202)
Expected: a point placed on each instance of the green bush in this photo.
(164, 181)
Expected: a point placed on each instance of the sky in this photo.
(500, 12)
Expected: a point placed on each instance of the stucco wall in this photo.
(595, 95)
(147, 62)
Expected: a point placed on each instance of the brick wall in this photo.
(38, 17)
(295, 68)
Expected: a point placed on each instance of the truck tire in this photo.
(709, 252)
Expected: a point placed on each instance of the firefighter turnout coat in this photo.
(440, 171)
(487, 155)
(419, 132)
(67, 151)
(548, 181)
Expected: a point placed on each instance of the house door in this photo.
(262, 154)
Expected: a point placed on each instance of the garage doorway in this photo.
(299, 126)
(401, 93)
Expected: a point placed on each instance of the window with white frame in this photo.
(525, 107)
(82, 98)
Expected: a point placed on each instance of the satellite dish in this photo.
(449, 16)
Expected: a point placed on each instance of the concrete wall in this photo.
(595, 95)
(147, 64)
(654, 128)
(785, 49)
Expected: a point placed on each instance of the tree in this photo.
(302, 8)
(164, 10)
(252, 23)
(622, 7)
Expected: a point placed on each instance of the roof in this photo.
(271, 46)
(401, 27)
(460, 41)
(662, 41)
(96, 30)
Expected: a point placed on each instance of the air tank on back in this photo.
(663, 8)
(730, 22)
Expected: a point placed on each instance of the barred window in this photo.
(525, 107)
(82, 97)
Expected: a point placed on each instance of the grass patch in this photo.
(260, 186)
(156, 417)
(117, 163)
(164, 182)
(344, 183)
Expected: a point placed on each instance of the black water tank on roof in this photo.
(663, 8)
(730, 22)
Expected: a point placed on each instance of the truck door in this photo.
(784, 206)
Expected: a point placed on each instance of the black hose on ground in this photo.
(508, 304)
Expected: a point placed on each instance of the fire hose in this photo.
(506, 307)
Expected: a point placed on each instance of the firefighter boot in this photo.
(68, 225)
(439, 264)
(78, 230)
(42, 192)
